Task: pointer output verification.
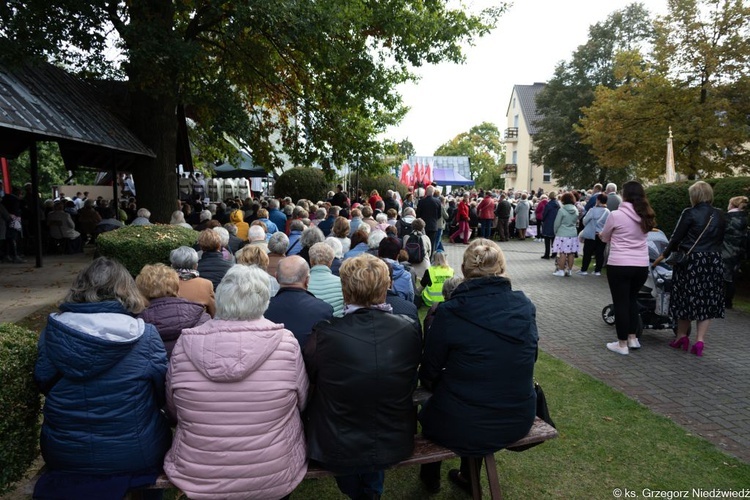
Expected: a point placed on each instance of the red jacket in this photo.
(486, 208)
(463, 211)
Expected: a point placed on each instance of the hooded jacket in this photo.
(403, 284)
(237, 389)
(549, 214)
(238, 219)
(566, 222)
(628, 245)
(479, 362)
(171, 315)
(102, 415)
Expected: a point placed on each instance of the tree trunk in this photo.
(154, 121)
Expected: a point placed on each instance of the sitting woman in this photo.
(236, 385)
(377, 354)
(169, 313)
(184, 260)
(479, 362)
(254, 255)
(102, 373)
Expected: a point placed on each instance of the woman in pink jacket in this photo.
(627, 267)
(236, 385)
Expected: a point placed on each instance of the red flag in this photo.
(417, 172)
(427, 174)
(405, 177)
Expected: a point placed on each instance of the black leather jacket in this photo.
(363, 367)
(690, 226)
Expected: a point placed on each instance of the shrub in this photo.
(668, 201)
(382, 183)
(136, 246)
(302, 183)
(729, 187)
(19, 403)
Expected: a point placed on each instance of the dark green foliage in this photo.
(382, 183)
(729, 187)
(19, 403)
(302, 183)
(668, 201)
(136, 246)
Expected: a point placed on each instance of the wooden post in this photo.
(36, 224)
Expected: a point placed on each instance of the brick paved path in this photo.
(709, 396)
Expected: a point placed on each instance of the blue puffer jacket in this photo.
(102, 416)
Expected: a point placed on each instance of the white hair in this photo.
(611, 187)
(205, 215)
(321, 253)
(183, 257)
(223, 235)
(143, 212)
(373, 241)
(335, 244)
(278, 243)
(381, 218)
(243, 294)
(177, 217)
(256, 233)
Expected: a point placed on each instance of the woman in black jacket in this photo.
(479, 362)
(697, 286)
(363, 366)
(735, 245)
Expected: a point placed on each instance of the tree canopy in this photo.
(484, 146)
(313, 80)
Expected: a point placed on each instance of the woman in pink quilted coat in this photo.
(236, 386)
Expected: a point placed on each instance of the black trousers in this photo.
(624, 284)
(593, 248)
(503, 229)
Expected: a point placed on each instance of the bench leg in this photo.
(491, 466)
(475, 468)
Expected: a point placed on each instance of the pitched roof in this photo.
(527, 100)
(42, 102)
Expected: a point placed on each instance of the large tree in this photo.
(557, 144)
(314, 80)
(484, 147)
(697, 82)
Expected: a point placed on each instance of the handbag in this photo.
(678, 258)
(542, 411)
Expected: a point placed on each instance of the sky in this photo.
(531, 38)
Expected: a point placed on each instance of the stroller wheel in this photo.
(608, 315)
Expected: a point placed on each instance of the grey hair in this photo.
(205, 215)
(223, 235)
(320, 213)
(212, 208)
(321, 253)
(243, 294)
(288, 209)
(381, 218)
(256, 233)
(292, 269)
(177, 217)
(611, 187)
(184, 257)
(143, 212)
(278, 243)
(105, 280)
(335, 244)
(409, 211)
(449, 285)
(311, 236)
(296, 225)
(231, 228)
(373, 241)
(273, 203)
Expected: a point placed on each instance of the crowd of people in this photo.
(290, 333)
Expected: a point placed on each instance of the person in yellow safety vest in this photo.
(433, 279)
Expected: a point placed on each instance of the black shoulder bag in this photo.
(678, 258)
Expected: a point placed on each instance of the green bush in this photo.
(302, 183)
(19, 403)
(729, 187)
(136, 246)
(382, 183)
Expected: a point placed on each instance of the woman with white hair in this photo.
(277, 246)
(244, 375)
(226, 254)
(178, 219)
(309, 237)
(102, 373)
(142, 218)
(192, 287)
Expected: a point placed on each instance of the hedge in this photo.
(382, 183)
(669, 200)
(302, 183)
(19, 403)
(136, 246)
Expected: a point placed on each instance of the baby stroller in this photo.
(653, 298)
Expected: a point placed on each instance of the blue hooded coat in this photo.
(102, 415)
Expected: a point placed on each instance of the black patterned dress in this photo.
(698, 288)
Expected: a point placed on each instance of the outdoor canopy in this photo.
(449, 177)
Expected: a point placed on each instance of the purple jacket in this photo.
(170, 315)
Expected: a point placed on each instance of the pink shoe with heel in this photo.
(697, 349)
(682, 342)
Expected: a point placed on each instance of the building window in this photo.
(547, 175)
(515, 157)
(515, 121)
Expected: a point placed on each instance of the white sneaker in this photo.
(615, 347)
(582, 273)
(567, 274)
(597, 273)
(559, 272)
(634, 344)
